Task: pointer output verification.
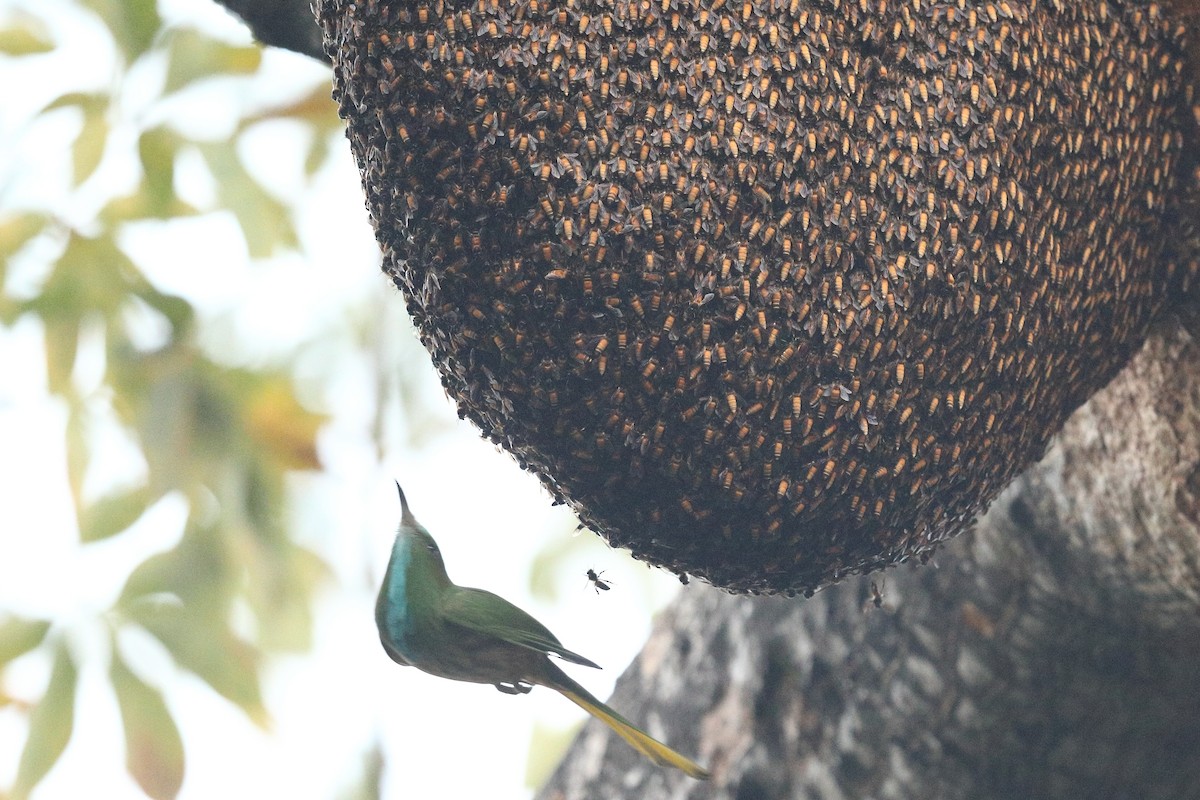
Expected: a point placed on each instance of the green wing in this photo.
(488, 613)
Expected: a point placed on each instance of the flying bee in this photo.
(877, 593)
(598, 584)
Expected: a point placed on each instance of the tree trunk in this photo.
(1050, 653)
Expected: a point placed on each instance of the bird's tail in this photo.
(641, 741)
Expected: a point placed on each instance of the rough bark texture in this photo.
(1051, 653)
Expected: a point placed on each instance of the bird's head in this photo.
(414, 535)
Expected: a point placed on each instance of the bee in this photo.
(598, 584)
(877, 593)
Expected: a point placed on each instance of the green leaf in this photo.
(290, 575)
(80, 100)
(92, 274)
(89, 145)
(318, 154)
(78, 452)
(208, 648)
(179, 312)
(157, 149)
(15, 232)
(113, 513)
(153, 747)
(266, 222)
(62, 341)
(195, 56)
(154, 576)
(24, 34)
(134, 23)
(316, 108)
(194, 570)
(160, 394)
(139, 204)
(50, 725)
(317, 111)
(18, 636)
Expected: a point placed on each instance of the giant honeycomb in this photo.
(772, 292)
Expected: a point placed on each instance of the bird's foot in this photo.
(514, 688)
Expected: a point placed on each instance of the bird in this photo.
(600, 584)
(464, 634)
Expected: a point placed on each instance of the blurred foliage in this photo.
(547, 746)
(223, 438)
(50, 723)
(368, 785)
(23, 35)
(153, 748)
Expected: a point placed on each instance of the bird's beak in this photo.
(405, 513)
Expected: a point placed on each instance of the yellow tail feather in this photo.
(641, 741)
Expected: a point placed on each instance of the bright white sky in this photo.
(440, 739)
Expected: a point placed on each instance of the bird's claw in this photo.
(514, 688)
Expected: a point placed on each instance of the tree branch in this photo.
(289, 24)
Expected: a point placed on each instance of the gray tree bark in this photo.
(1054, 652)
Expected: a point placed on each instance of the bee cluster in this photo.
(770, 291)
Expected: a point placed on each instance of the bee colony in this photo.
(771, 292)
